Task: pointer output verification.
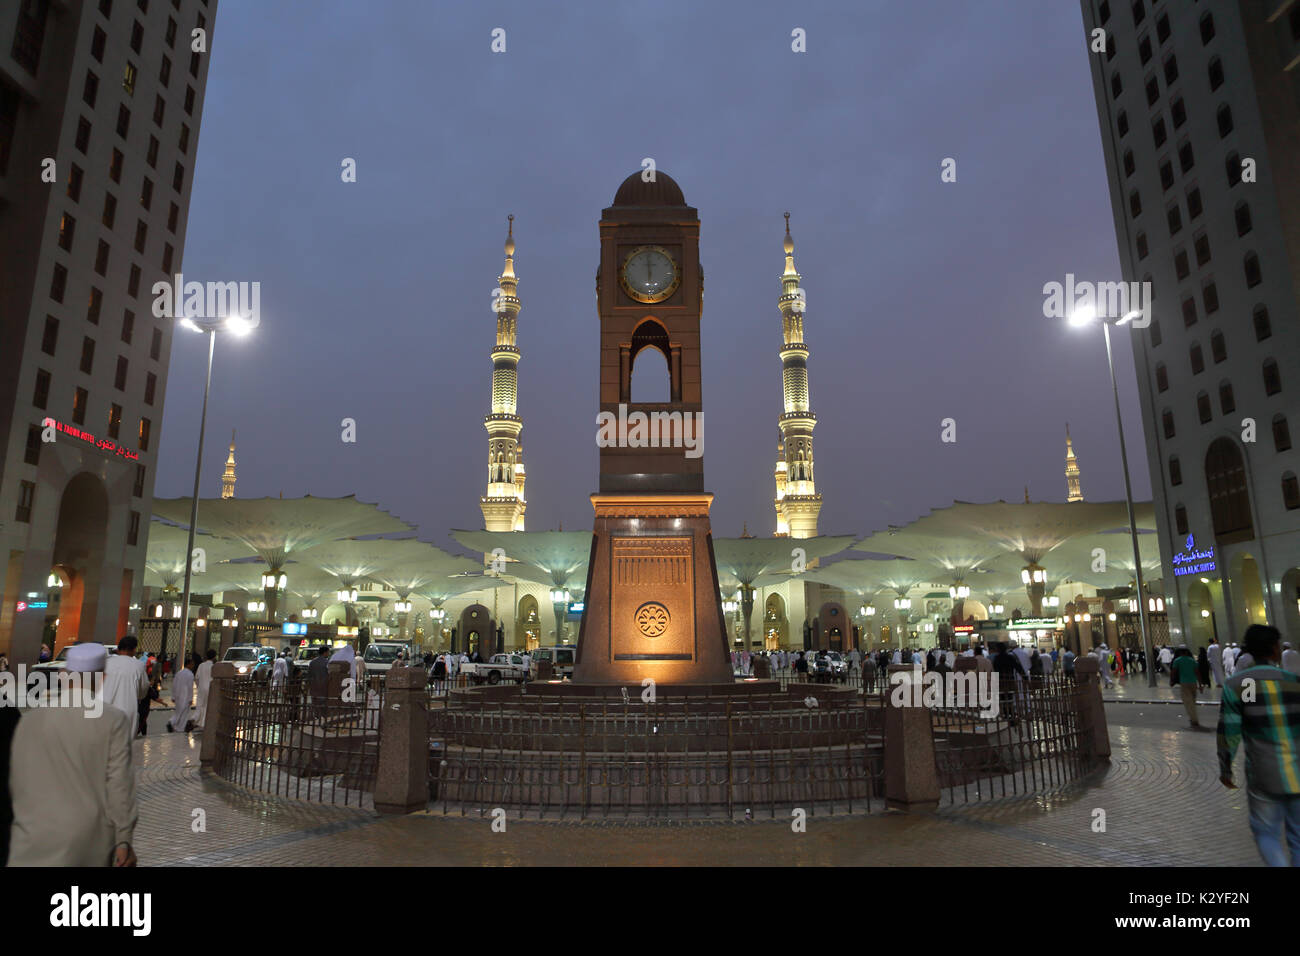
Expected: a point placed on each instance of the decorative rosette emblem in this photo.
(652, 618)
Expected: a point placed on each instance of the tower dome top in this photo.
(663, 191)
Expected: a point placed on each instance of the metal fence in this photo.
(1033, 743)
(750, 758)
(282, 741)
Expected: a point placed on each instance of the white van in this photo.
(379, 656)
(561, 657)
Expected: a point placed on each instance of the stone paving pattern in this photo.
(1159, 792)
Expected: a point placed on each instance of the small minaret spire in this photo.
(797, 501)
(1071, 469)
(228, 476)
(503, 505)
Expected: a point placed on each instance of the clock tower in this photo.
(653, 608)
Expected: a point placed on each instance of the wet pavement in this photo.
(1158, 793)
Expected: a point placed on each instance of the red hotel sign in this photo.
(103, 444)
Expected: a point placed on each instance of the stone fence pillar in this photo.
(911, 778)
(219, 720)
(402, 784)
(1090, 707)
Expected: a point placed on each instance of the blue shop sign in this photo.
(1191, 561)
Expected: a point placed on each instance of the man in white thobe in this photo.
(182, 697)
(1102, 654)
(203, 680)
(1230, 659)
(125, 682)
(1290, 658)
(71, 780)
(1215, 653)
(279, 671)
(1047, 662)
(1023, 655)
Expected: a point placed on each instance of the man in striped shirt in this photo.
(1261, 705)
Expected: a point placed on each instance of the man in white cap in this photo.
(1215, 653)
(182, 697)
(71, 780)
(125, 681)
(1290, 658)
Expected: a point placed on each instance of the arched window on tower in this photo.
(1225, 478)
(651, 376)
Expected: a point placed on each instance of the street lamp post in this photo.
(1082, 317)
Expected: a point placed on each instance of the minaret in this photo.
(503, 505)
(800, 504)
(782, 529)
(1071, 469)
(228, 476)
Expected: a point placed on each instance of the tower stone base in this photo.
(652, 594)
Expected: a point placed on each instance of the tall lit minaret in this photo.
(228, 476)
(503, 505)
(1071, 469)
(799, 506)
(782, 529)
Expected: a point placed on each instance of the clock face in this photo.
(649, 274)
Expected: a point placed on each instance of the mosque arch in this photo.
(528, 623)
(776, 626)
(80, 545)
(650, 382)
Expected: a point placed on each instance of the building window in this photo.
(1263, 327)
(1202, 247)
(1158, 132)
(1167, 421)
(1129, 165)
(1189, 312)
(1281, 433)
(1171, 70)
(168, 252)
(133, 282)
(1180, 520)
(1103, 11)
(150, 384)
(1175, 471)
(170, 35)
(67, 229)
(141, 235)
(151, 157)
(1225, 479)
(133, 529)
(1144, 49)
(1185, 158)
(83, 135)
(155, 345)
(189, 101)
(1251, 266)
(1162, 28)
(1232, 167)
(1203, 409)
(1166, 175)
(1175, 219)
(1139, 12)
(178, 177)
(1162, 377)
(1216, 74)
(137, 36)
(1154, 333)
(138, 490)
(123, 120)
(128, 79)
(1153, 90)
(1290, 491)
(184, 142)
(1198, 359)
(1210, 296)
(146, 193)
(87, 355)
(75, 176)
(97, 44)
(1244, 224)
(1121, 123)
(1178, 112)
(1227, 403)
(1182, 269)
(41, 394)
(1218, 348)
(32, 453)
(114, 421)
(1142, 245)
(145, 426)
(101, 258)
(119, 378)
(90, 89)
(194, 65)
(58, 282)
(1134, 204)
(50, 337)
(165, 72)
(26, 495)
(1225, 120)
(173, 213)
(1207, 28)
(80, 399)
(115, 166)
(128, 325)
(110, 209)
(1272, 380)
(159, 109)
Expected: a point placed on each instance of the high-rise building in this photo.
(503, 506)
(1199, 107)
(100, 102)
(797, 501)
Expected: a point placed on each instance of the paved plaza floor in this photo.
(1162, 800)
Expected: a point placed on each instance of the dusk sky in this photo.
(924, 298)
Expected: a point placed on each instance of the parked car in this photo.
(303, 657)
(496, 668)
(251, 659)
(379, 656)
(60, 661)
(839, 667)
(561, 657)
